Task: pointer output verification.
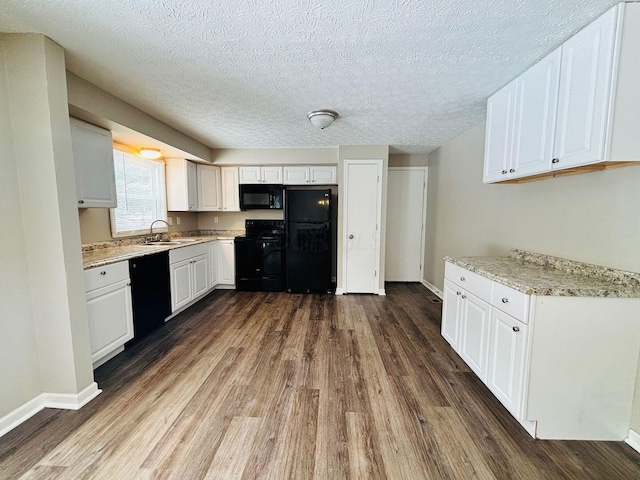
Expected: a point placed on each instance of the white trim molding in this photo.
(382, 292)
(433, 288)
(339, 291)
(633, 440)
(67, 401)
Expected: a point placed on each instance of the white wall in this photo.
(19, 370)
(50, 283)
(592, 218)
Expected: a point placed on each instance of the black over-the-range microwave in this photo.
(258, 197)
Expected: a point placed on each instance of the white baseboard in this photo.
(633, 439)
(70, 401)
(21, 414)
(225, 287)
(433, 288)
(382, 292)
(339, 291)
(47, 400)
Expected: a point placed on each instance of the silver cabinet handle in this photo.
(512, 170)
(80, 201)
(103, 273)
(555, 160)
(464, 296)
(505, 300)
(351, 236)
(504, 172)
(516, 329)
(462, 279)
(458, 293)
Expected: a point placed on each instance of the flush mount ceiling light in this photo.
(150, 153)
(322, 118)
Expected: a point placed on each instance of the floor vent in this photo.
(435, 300)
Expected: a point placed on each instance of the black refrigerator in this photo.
(308, 240)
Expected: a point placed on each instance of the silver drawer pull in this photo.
(516, 329)
(505, 300)
(103, 273)
(462, 279)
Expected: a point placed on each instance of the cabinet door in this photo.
(209, 194)
(200, 272)
(474, 333)
(505, 376)
(230, 189)
(586, 76)
(250, 175)
(213, 264)
(451, 314)
(192, 186)
(296, 175)
(226, 262)
(272, 175)
(535, 117)
(323, 175)
(181, 284)
(110, 318)
(93, 164)
(499, 133)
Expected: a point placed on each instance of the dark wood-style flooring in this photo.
(279, 386)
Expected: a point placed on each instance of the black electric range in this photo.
(260, 257)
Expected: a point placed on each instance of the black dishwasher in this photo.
(150, 292)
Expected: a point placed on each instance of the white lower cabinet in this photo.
(505, 372)
(110, 312)
(474, 333)
(189, 273)
(226, 263)
(213, 264)
(556, 363)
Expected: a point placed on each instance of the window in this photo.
(140, 189)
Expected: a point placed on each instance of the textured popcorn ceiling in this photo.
(244, 73)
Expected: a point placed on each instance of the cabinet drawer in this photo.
(184, 253)
(472, 282)
(510, 301)
(99, 277)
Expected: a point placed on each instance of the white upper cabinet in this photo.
(93, 162)
(209, 188)
(573, 110)
(586, 81)
(313, 174)
(534, 118)
(257, 174)
(230, 189)
(497, 146)
(182, 185)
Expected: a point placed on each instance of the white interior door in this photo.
(406, 202)
(362, 218)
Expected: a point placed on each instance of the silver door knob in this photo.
(103, 273)
(351, 236)
(516, 329)
(464, 296)
(504, 172)
(505, 300)
(555, 160)
(511, 170)
(458, 293)
(462, 279)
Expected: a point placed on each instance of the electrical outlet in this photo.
(215, 219)
(170, 220)
(178, 220)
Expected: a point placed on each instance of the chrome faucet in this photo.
(158, 235)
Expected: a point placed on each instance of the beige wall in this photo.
(36, 101)
(592, 217)
(275, 156)
(363, 152)
(95, 225)
(409, 160)
(234, 220)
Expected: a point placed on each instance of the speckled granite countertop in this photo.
(105, 253)
(538, 274)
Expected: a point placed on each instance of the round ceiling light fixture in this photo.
(150, 153)
(322, 118)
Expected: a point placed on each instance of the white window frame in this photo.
(161, 200)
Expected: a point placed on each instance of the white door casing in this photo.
(406, 214)
(361, 225)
